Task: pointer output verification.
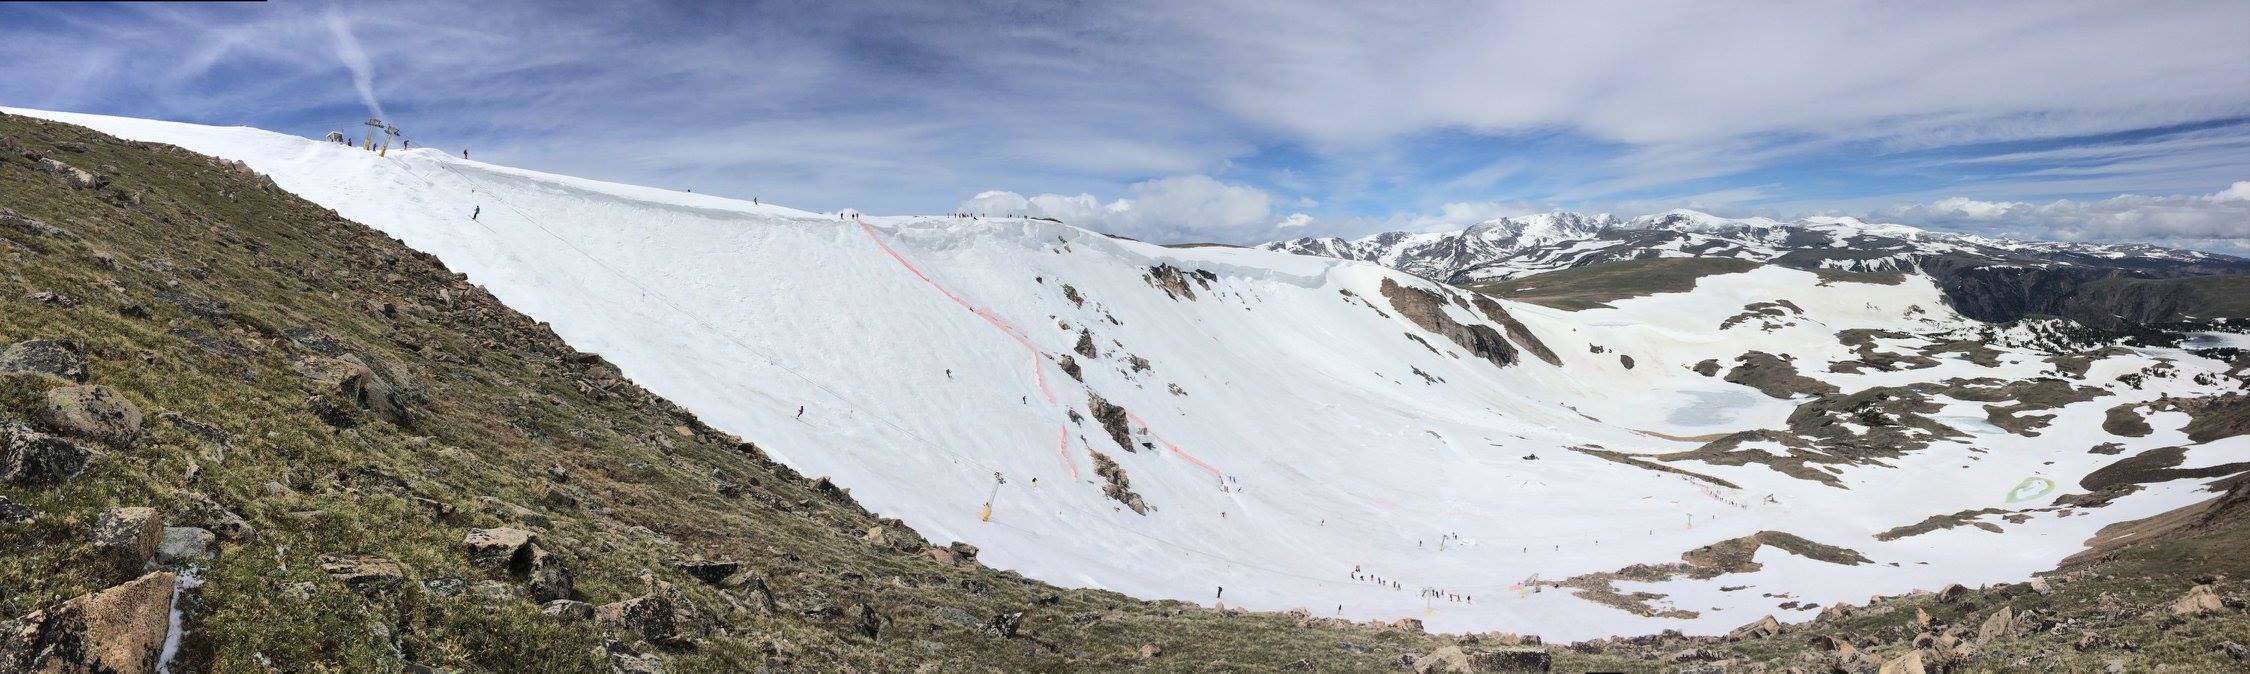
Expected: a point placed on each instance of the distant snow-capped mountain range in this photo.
(1517, 246)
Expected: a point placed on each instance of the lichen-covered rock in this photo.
(53, 358)
(363, 572)
(184, 543)
(495, 547)
(661, 617)
(128, 538)
(2199, 600)
(547, 574)
(97, 413)
(1764, 627)
(29, 457)
(119, 630)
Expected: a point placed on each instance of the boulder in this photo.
(96, 413)
(373, 384)
(1151, 651)
(566, 608)
(53, 358)
(1922, 618)
(1519, 659)
(185, 543)
(29, 457)
(1764, 627)
(1951, 592)
(363, 572)
(546, 572)
(218, 519)
(661, 617)
(1910, 663)
(1447, 659)
(710, 571)
(2199, 600)
(119, 630)
(495, 547)
(127, 538)
(2001, 624)
(2041, 585)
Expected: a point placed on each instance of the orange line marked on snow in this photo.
(1136, 419)
(1038, 372)
(1062, 449)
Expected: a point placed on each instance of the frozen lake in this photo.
(1712, 408)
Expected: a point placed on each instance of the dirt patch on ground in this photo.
(2217, 417)
(1638, 462)
(2018, 397)
(1775, 376)
(1872, 357)
(1595, 286)
(2125, 421)
(2155, 465)
(1734, 555)
(1937, 522)
(1769, 316)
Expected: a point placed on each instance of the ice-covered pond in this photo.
(2216, 340)
(1712, 408)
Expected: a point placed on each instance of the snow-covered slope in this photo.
(1297, 426)
(1514, 247)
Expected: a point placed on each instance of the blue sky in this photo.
(1246, 120)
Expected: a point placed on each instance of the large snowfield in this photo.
(1289, 438)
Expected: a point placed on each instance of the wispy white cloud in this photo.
(355, 58)
(1326, 108)
(2219, 220)
(1165, 209)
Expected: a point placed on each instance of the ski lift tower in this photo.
(374, 126)
(389, 132)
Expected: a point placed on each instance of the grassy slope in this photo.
(1596, 286)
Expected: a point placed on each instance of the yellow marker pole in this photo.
(986, 515)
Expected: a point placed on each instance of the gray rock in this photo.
(661, 617)
(547, 573)
(495, 547)
(566, 608)
(495, 592)
(127, 538)
(443, 587)
(218, 519)
(363, 572)
(185, 543)
(29, 457)
(44, 356)
(96, 413)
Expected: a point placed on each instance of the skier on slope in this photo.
(475, 211)
(800, 411)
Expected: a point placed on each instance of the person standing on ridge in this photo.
(464, 154)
